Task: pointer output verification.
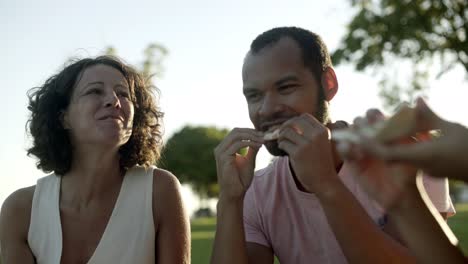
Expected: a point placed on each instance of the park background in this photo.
(199, 77)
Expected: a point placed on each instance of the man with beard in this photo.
(304, 206)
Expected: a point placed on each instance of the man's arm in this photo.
(311, 158)
(230, 245)
(14, 226)
(229, 237)
(235, 173)
(361, 240)
(259, 253)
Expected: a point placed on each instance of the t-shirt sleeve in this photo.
(252, 224)
(438, 191)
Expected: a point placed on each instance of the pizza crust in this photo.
(271, 135)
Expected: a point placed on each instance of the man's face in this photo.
(278, 86)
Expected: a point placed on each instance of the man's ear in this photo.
(329, 83)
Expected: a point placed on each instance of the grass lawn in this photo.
(203, 233)
(459, 226)
(203, 230)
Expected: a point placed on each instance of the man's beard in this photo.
(272, 147)
(322, 115)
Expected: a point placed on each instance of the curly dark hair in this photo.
(47, 103)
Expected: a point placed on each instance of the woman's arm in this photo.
(14, 225)
(171, 221)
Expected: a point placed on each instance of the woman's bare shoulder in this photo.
(20, 200)
(16, 209)
(166, 187)
(164, 181)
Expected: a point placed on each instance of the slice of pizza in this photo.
(399, 125)
(272, 134)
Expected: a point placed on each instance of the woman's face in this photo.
(100, 112)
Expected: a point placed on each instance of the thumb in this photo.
(426, 119)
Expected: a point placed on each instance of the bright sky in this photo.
(207, 41)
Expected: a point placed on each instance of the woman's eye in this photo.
(94, 91)
(124, 94)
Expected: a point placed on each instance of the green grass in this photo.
(203, 230)
(203, 233)
(459, 226)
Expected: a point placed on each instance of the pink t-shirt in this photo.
(438, 191)
(291, 222)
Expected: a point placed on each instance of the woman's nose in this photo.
(112, 100)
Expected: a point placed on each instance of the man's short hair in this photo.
(314, 51)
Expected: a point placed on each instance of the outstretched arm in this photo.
(444, 156)
(424, 230)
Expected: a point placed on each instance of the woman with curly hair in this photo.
(96, 126)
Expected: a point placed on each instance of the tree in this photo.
(189, 155)
(154, 55)
(418, 32)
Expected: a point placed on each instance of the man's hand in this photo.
(310, 149)
(308, 145)
(235, 172)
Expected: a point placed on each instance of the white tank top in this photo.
(129, 236)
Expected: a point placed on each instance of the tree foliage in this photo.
(154, 55)
(417, 31)
(189, 155)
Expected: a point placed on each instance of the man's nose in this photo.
(270, 105)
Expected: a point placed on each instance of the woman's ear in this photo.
(64, 119)
(329, 83)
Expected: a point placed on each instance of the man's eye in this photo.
(287, 88)
(253, 97)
